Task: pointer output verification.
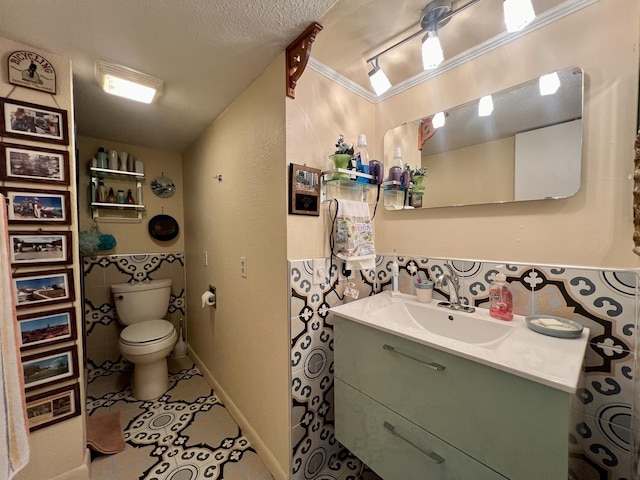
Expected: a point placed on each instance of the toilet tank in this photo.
(137, 302)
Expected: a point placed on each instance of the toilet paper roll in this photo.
(208, 298)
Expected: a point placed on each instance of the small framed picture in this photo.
(34, 164)
(40, 248)
(52, 407)
(304, 190)
(47, 328)
(34, 206)
(39, 288)
(34, 122)
(47, 368)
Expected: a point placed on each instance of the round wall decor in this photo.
(163, 186)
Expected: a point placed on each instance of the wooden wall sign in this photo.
(31, 70)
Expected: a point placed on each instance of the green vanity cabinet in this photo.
(396, 399)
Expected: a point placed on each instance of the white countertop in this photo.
(551, 361)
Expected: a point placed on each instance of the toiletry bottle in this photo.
(129, 198)
(361, 155)
(111, 198)
(500, 298)
(102, 191)
(101, 157)
(395, 290)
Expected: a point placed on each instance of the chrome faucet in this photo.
(452, 280)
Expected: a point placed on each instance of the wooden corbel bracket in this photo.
(298, 53)
(425, 132)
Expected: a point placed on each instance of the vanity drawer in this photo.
(395, 448)
(516, 426)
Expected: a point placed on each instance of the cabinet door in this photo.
(395, 448)
(516, 426)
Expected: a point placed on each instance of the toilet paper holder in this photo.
(209, 297)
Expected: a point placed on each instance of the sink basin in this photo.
(473, 328)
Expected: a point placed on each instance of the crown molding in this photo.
(553, 14)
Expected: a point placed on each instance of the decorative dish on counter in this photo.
(554, 326)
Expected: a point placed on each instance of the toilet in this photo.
(147, 338)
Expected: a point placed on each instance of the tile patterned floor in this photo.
(186, 434)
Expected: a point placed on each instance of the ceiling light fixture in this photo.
(378, 79)
(128, 83)
(517, 14)
(485, 106)
(435, 15)
(549, 84)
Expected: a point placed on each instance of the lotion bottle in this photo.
(500, 297)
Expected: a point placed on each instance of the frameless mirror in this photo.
(527, 147)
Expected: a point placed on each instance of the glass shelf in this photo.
(95, 171)
(360, 185)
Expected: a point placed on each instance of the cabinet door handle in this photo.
(433, 365)
(434, 457)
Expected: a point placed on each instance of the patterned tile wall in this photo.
(601, 440)
(102, 329)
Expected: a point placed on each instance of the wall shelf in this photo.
(361, 185)
(95, 174)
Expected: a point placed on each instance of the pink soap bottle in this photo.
(500, 298)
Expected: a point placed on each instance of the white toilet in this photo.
(147, 339)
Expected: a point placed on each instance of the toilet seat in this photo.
(147, 332)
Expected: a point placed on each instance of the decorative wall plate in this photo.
(163, 186)
(163, 227)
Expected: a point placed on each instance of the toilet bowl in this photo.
(147, 339)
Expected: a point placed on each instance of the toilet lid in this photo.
(147, 331)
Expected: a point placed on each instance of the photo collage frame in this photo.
(35, 177)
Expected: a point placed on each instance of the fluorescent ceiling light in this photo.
(379, 80)
(517, 14)
(128, 83)
(432, 55)
(438, 120)
(485, 107)
(549, 84)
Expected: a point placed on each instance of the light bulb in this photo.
(379, 80)
(517, 14)
(438, 120)
(485, 107)
(549, 84)
(432, 55)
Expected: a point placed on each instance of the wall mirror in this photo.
(528, 146)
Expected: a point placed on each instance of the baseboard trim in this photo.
(256, 441)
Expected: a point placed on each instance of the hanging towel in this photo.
(14, 429)
(354, 235)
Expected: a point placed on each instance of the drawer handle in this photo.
(434, 457)
(434, 366)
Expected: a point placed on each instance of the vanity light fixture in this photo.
(435, 15)
(378, 79)
(128, 83)
(549, 83)
(438, 120)
(432, 54)
(517, 14)
(485, 106)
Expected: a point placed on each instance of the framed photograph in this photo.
(304, 190)
(39, 288)
(34, 206)
(52, 407)
(40, 248)
(47, 368)
(33, 164)
(33, 122)
(47, 328)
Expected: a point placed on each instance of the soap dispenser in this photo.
(500, 297)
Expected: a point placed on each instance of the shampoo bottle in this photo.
(500, 298)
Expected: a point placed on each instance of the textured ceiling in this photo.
(208, 52)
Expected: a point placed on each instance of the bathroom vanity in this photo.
(423, 392)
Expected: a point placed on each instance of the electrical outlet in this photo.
(319, 270)
(243, 267)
